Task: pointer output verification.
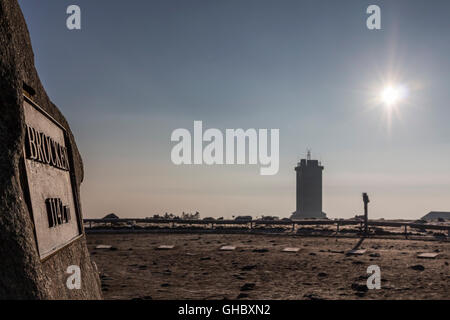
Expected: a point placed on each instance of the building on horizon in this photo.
(309, 189)
(436, 216)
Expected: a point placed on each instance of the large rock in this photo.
(24, 274)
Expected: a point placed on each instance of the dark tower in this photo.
(309, 189)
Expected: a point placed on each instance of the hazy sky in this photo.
(140, 69)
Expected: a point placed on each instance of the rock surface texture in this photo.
(23, 275)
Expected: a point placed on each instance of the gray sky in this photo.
(140, 69)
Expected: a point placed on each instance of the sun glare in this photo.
(392, 95)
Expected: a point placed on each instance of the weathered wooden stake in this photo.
(366, 213)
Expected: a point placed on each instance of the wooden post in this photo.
(337, 228)
(366, 213)
(406, 231)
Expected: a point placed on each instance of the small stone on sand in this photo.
(227, 248)
(248, 268)
(103, 246)
(165, 247)
(427, 255)
(418, 267)
(248, 287)
(356, 252)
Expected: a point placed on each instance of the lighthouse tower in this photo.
(309, 189)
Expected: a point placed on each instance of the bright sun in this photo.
(391, 95)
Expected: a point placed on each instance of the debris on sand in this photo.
(418, 267)
(427, 255)
(359, 252)
(103, 246)
(359, 287)
(205, 258)
(248, 286)
(275, 274)
(165, 247)
(248, 268)
(227, 248)
(291, 249)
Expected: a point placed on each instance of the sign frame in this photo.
(73, 184)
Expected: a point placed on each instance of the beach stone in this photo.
(25, 272)
(248, 268)
(359, 287)
(103, 246)
(418, 267)
(227, 248)
(165, 247)
(356, 252)
(248, 287)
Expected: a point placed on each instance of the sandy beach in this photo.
(133, 268)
